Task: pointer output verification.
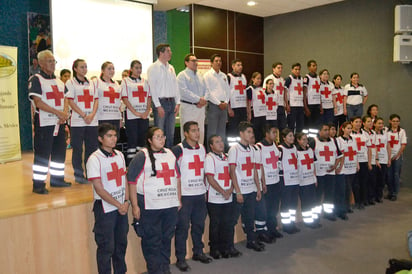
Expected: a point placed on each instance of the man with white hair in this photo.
(46, 93)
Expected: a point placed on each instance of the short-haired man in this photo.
(165, 94)
(106, 169)
(46, 93)
(218, 94)
(311, 92)
(192, 96)
(190, 157)
(294, 89)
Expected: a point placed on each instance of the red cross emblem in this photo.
(299, 88)
(116, 174)
(316, 86)
(140, 93)
(86, 98)
(381, 145)
(350, 153)
(359, 143)
(240, 87)
(248, 166)
(293, 161)
(56, 94)
(280, 88)
(224, 176)
(270, 103)
(393, 142)
(166, 174)
(261, 96)
(112, 94)
(326, 92)
(197, 165)
(307, 161)
(326, 153)
(339, 98)
(273, 159)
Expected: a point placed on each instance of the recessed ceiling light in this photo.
(251, 3)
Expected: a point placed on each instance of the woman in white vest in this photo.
(256, 104)
(337, 97)
(371, 135)
(383, 152)
(326, 89)
(154, 180)
(271, 104)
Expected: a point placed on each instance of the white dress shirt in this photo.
(217, 87)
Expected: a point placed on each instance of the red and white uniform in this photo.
(289, 161)
(83, 95)
(111, 170)
(306, 167)
(191, 164)
(270, 156)
(348, 148)
(271, 106)
(363, 143)
(396, 139)
(242, 158)
(109, 100)
(257, 158)
(382, 147)
(219, 168)
(326, 154)
(313, 87)
(259, 102)
(295, 91)
(278, 88)
(338, 93)
(326, 95)
(137, 91)
(237, 91)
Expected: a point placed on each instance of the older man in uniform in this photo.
(46, 93)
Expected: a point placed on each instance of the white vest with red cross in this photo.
(326, 95)
(271, 164)
(244, 168)
(290, 165)
(395, 140)
(338, 93)
(112, 176)
(53, 96)
(382, 147)
(326, 154)
(219, 168)
(238, 95)
(279, 88)
(372, 141)
(259, 102)
(192, 170)
(306, 167)
(109, 100)
(137, 92)
(295, 92)
(160, 191)
(313, 87)
(83, 96)
(348, 148)
(271, 106)
(362, 144)
(257, 158)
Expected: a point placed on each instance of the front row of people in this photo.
(173, 190)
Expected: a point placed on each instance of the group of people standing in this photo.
(172, 188)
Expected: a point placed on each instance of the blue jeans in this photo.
(354, 110)
(394, 174)
(167, 123)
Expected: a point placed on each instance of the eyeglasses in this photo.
(159, 137)
(193, 60)
(51, 61)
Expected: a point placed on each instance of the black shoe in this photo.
(330, 217)
(295, 228)
(202, 258)
(393, 198)
(360, 206)
(371, 202)
(388, 197)
(343, 216)
(81, 180)
(61, 184)
(289, 229)
(313, 225)
(266, 238)
(276, 234)
(379, 200)
(182, 265)
(350, 210)
(255, 246)
(232, 253)
(216, 254)
(40, 190)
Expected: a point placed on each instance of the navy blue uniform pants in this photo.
(325, 192)
(296, 119)
(272, 200)
(313, 120)
(340, 194)
(80, 136)
(258, 124)
(282, 120)
(221, 227)
(240, 115)
(247, 212)
(381, 179)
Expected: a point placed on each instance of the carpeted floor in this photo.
(363, 244)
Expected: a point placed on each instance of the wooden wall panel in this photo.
(249, 33)
(210, 27)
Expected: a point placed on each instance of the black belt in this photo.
(189, 103)
(167, 98)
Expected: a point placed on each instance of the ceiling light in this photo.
(251, 3)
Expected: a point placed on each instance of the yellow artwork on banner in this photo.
(9, 110)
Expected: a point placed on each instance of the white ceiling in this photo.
(263, 8)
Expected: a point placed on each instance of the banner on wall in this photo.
(9, 112)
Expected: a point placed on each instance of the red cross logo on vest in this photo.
(307, 161)
(381, 145)
(359, 143)
(299, 88)
(339, 98)
(140, 93)
(166, 174)
(86, 98)
(326, 92)
(116, 174)
(316, 86)
(197, 165)
(270, 103)
(224, 176)
(248, 166)
(280, 88)
(261, 96)
(56, 94)
(326, 153)
(240, 87)
(293, 161)
(273, 160)
(350, 153)
(393, 142)
(111, 94)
